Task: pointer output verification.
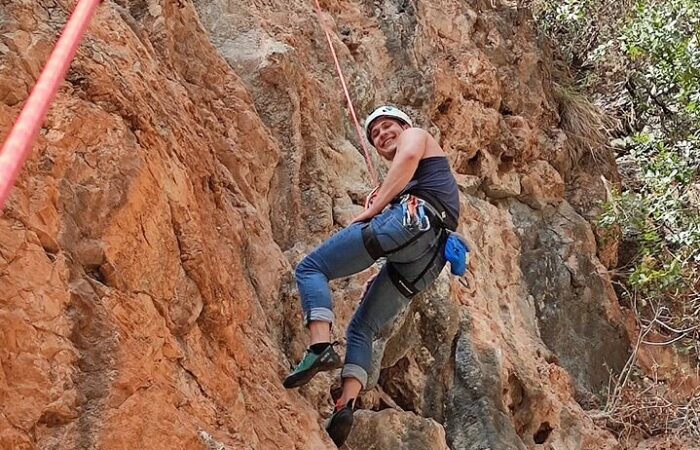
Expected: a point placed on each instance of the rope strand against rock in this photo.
(20, 141)
(372, 171)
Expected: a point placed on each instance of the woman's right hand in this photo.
(370, 198)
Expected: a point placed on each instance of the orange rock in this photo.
(198, 150)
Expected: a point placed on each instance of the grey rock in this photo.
(474, 416)
(559, 267)
(418, 357)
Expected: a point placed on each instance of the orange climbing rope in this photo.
(19, 142)
(372, 172)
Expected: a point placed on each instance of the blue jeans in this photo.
(344, 254)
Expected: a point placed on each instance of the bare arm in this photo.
(410, 148)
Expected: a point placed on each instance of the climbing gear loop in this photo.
(414, 215)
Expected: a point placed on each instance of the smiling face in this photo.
(385, 133)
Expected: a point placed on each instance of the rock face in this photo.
(200, 148)
(393, 430)
(576, 306)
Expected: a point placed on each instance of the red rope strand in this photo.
(372, 172)
(20, 141)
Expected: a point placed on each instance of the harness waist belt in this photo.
(440, 219)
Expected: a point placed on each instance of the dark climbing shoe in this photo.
(312, 364)
(339, 425)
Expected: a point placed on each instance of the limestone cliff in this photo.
(199, 148)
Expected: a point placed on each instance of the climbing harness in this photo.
(421, 210)
(19, 142)
(424, 211)
(372, 171)
(456, 250)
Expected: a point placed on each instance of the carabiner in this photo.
(423, 220)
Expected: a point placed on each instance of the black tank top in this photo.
(433, 175)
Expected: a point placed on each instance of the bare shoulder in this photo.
(414, 136)
(421, 142)
(430, 144)
(415, 133)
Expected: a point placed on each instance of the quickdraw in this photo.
(414, 215)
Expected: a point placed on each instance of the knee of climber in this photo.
(363, 326)
(305, 269)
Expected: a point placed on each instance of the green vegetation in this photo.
(640, 60)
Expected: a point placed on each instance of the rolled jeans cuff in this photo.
(320, 315)
(355, 371)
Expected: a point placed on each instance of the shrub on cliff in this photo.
(640, 60)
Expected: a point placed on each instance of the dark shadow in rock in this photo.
(95, 339)
(540, 437)
(474, 419)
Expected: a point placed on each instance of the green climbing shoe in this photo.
(312, 364)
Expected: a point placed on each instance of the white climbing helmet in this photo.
(385, 111)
